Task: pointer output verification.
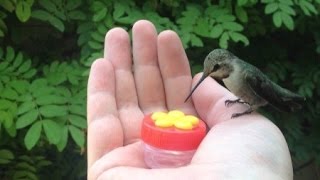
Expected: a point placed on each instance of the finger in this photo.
(118, 51)
(104, 128)
(146, 70)
(209, 100)
(130, 155)
(175, 71)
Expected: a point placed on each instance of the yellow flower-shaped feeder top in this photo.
(175, 118)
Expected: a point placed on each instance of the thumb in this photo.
(209, 101)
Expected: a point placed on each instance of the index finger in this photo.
(102, 112)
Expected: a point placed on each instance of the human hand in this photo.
(248, 147)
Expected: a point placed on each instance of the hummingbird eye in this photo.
(215, 67)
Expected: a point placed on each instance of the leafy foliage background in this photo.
(47, 47)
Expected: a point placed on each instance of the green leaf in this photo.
(242, 2)
(48, 5)
(78, 109)
(119, 10)
(53, 110)
(97, 5)
(236, 37)
(3, 65)
(6, 118)
(232, 26)
(196, 41)
(4, 161)
(23, 11)
(9, 54)
(77, 135)
(287, 2)
(57, 78)
(23, 174)
(7, 5)
(12, 131)
(100, 14)
(288, 21)
(108, 22)
(126, 20)
(73, 79)
(202, 28)
(277, 19)
(6, 156)
(50, 99)
(43, 91)
(52, 131)
(5, 104)
(216, 31)
(26, 158)
(26, 166)
(97, 36)
(102, 29)
(41, 82)
(309, 6)
(64, 139)
(95, 45)
(225, 18)
(73, 4)
(241, 14)
(223, 42)
(13, 107)
(30, 2)
(29, 74)
(18, 60)
(43, 163)
(270, 8)
(77, 15)
(19, 85)
(25, 66)
(45, 16)
(9, 93)
(65, 92)
(57, 23)
(54, 66)
(33, 135)
(85, 27)
(78, 121)
(305, 10)
(40, 14)
(26, 106)
(287, 9)
(27, 119)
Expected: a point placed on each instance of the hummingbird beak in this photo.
(195, 87)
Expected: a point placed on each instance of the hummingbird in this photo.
(251, 87)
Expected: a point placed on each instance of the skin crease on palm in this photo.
(248, 147)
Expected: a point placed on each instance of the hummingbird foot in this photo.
(229, 103)
(248, 111)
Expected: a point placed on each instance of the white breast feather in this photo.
(234, 82)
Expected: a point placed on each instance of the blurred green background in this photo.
(47, 47)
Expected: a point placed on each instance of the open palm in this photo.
(154, 75)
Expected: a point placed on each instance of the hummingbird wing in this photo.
(275, 95)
